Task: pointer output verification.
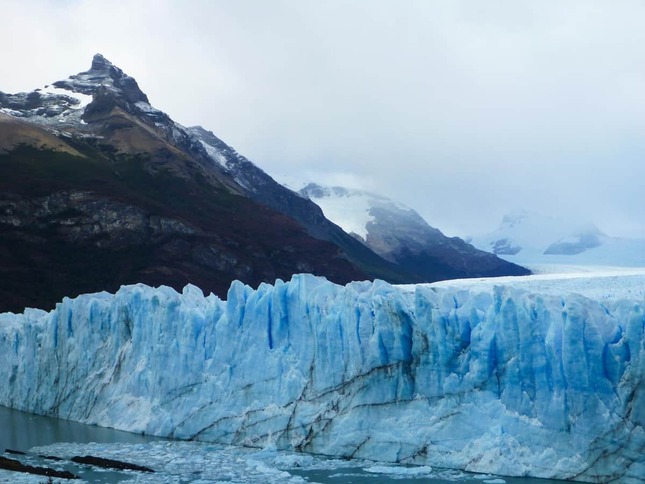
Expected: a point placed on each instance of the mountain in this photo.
(98, 189)
(531, 377)
(532, 238)
(400, 235)
(260, 187)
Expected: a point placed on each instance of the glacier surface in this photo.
(500, 377)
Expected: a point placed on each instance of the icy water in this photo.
(196, 462)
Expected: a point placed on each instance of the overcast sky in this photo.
(463, 110)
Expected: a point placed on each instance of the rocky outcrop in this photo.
(85, 216)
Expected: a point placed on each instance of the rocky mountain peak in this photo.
(100, 63)
(71, 103)
(103, 75)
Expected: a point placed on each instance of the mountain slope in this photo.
(71, 225)
(97, 193)
(265, 190)
(400, 235)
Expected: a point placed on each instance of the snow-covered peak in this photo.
(354, 210)
(523, 230)
(75, 105)
(350, 210)
(531, 238)
(400, 235)
(316, 191)
(104, 74)
(63, 103)
(526, 224)
(101, 63)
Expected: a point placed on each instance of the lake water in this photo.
(197, 462)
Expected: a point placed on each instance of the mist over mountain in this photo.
(526, 237)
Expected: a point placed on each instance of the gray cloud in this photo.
(463, 110)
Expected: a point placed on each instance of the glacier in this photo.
(500, 377)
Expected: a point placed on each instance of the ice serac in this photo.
(497, 378)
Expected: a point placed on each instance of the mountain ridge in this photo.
(399, 234)
(96, 133)
(127, 197)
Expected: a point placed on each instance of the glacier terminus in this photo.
(512, 378)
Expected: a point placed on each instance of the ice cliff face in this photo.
(499, 378)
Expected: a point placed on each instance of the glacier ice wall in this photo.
(498, 380)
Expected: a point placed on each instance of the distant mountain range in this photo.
(400, 235)
(99, 189)
(531, 238)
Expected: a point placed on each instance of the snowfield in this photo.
(539, 376)
(593, 282)
(349, 209)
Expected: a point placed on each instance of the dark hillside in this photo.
(71, 225)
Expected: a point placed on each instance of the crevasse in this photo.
(500, 380)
